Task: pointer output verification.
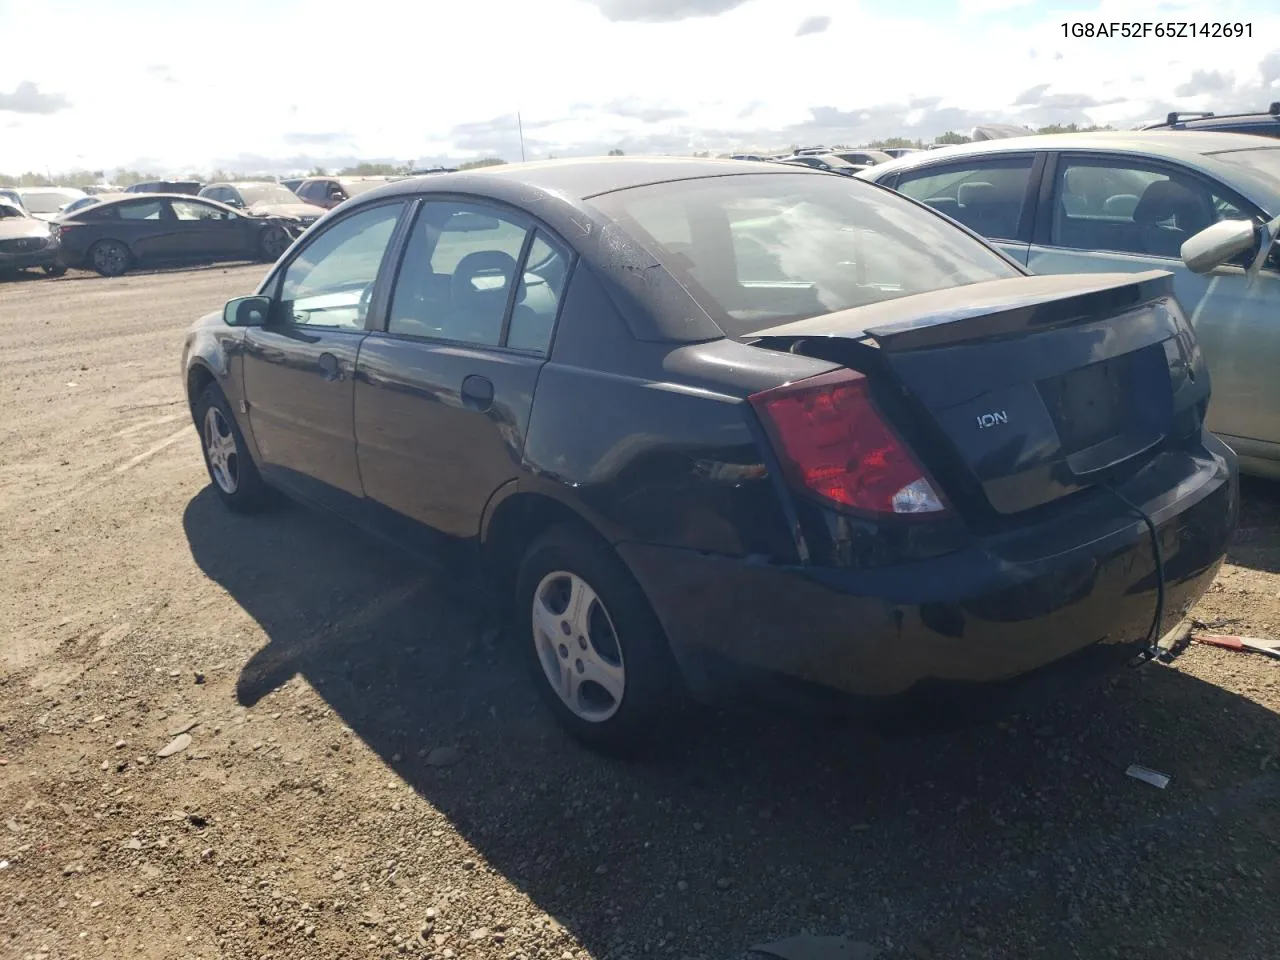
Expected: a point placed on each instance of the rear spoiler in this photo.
(990, 310)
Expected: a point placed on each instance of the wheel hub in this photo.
(568, 616)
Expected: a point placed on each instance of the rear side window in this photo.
(456, 277)
(987, 196)
(764, 249)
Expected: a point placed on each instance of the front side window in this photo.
(191, 210)
(765, 249)
(457, 274)
(1124, 206)
(141, 210)
(987, 195)
(330, 283)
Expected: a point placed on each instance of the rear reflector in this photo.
(832, 441)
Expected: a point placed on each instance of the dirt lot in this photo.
(368, 777)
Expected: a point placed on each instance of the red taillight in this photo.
(832, 440)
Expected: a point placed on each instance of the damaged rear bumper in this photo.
(1003, 614)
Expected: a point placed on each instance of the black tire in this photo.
(651, 699)
(110, 258)
(55, 270)
(234, 475)
(273, 243)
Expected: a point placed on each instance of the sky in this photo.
(274, 86)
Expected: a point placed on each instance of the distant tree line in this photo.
(123, 178)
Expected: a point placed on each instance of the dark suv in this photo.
(1263, 124)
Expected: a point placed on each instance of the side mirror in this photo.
(1217, 244)
(246, 311)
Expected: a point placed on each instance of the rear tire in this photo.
(110, 258)
(235, 476)
(593, 644)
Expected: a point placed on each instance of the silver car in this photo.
(1109, 202)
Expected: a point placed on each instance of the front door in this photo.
(298, 370)
(206, 232)
(1120, 214)
(444, 394)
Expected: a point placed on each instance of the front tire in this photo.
(273, 243)
(595, 647)
(110, 258)
(226, 456)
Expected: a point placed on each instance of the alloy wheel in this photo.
(578, 647)
(220, 449)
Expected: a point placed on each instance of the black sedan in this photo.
(27, 241)
(117, 235)
(701, 422)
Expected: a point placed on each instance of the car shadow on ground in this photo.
(754, 826)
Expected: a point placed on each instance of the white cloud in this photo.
(445, 80)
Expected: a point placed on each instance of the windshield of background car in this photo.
(763, 249)
(266, 193)
(45, 202)
(1262, 162)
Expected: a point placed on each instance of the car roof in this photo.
(586, 177)
(1194, 148)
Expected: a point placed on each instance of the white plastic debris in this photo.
(1147, 775)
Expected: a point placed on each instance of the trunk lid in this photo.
(1018, 392)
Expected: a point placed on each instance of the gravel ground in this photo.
(368, 775)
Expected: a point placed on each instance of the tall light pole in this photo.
(520, 127)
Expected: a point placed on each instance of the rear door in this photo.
(148, 227)
(993, 195)
(443, 394)
(1106, 213)
(298, 370)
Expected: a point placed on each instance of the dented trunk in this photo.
(1018, 392)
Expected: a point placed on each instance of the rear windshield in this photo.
(759, 250)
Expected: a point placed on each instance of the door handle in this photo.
(330, 367)
(477, 393)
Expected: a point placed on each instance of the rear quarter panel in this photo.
(653, 442)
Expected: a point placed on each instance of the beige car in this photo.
(1129, 202)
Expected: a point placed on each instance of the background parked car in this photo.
(826, 162)
(264, 199)
(862, 158)
(897, 152)
(328, 192)
(82, 202)
(45, 202)
(635, 396)
(1104, 202)
(1265, 124)
(13, 197)
(190, 187)
(118, 235)
(26, 241)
